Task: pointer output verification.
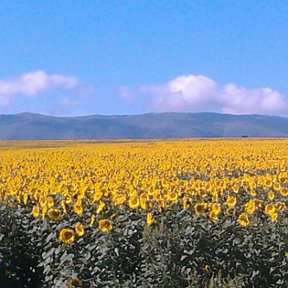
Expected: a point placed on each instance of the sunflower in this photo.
(143, 201)
(92, 220)
(268, 182)
(50, 202)
(274, 217)
(133, 201)
(78, 209)
(79, 229)
(74, 282)
(35, 211)
(282, 177)
(271, 195)
(200, 208)
(119, 199)
(105, 225)
(42, 201)
(284, 191)
(231, 201)
(43, 213)
(280, 206)
(276, 186)
(216, 208)
(67, 235)
(269, 209)
(250, 206)
(243, 219)
(172, 196)
(97, 195)
(101, 207)
(150, 219)
(63, 205)
(186, 202)
(25, 198)
(54, 214)
(213, 216)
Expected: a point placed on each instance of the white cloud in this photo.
(34, 83)
(183, 94)
(239, 100)
(194, 93)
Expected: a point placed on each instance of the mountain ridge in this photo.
(32, 126)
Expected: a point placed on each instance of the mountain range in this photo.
(146, 126)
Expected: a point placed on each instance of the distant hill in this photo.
(146, 126)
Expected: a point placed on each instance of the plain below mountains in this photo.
(147, 126)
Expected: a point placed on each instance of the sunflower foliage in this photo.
(19, 252)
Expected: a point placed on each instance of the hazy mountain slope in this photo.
(152, 125)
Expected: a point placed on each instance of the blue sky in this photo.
(137, 56)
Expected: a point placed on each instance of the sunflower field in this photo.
(181, 213)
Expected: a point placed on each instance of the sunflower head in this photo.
(250, 206)
(216, 208)
(67, 235)
(74, 282)
(271, 195)
(213, 216)
(97, 195)
(243, 219)
(100, 207)
(105, 225)
(92, 220)
(274, 216)
(268, 182)
(119, 199)
(200, 208)
(54, 214)
(269, 209)
(133, 201)
(172, 196)
(186, 203)
(282, 177)
(150, 219)
(280, 206)
(143, 201)
(276, 186)
(78, 209)
(50, 202)
(284, 191)
(231, 201)
(79, 229)
(35, 211)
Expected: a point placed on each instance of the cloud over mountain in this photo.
(34, 83)
(194, 93)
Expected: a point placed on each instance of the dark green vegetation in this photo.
(146, 126)
(181, 250)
